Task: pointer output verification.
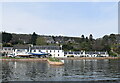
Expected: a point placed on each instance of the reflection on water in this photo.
(75, 70)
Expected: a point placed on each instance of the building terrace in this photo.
(54, 51)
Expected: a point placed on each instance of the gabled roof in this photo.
(47, 47)
(7, 47)
(74, 52)
(95, 52)
(21, 47)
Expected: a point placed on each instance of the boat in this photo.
(38, 53)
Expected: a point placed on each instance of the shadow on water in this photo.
(72, 70)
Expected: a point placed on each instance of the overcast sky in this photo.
(61, 18)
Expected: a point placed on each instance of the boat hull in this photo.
(38, 53)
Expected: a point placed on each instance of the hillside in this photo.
(106, 43)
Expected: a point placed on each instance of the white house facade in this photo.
(21, 50)
(7, 50)
(86, 54)
(54, 51)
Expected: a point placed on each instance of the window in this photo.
(39, 50)
(58, 54)
(18, 50)
(9, 49)
(34, 50)
(5, 49)
(58, 50)
(81, 52)
(50, 50)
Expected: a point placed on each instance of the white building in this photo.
(86, 54)
(25, 50)
(21, 50)
(54, 51)
(7, 50)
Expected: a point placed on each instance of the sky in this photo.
(60, 18)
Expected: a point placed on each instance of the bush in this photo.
(112, 54)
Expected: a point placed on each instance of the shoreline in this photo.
(68, 58)
(24, 59)
(88, 58)
(38, 59)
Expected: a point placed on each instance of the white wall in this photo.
(54, 53)
(88, 55)
(7, 50)
(19, 51)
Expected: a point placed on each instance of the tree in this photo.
(107, 48)
(90, 37)
(6, 37)
(33, 38)
(87, 39)
(17, 42)
(106, 38)
(85, 46)
(112, 37)
(41, 41)
(82, 38)
(67, 47)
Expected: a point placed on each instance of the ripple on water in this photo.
(73, 70)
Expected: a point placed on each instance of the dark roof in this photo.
(102, 52)
(47, 47)
(79, 52)
(74, 52)
(21, 47)
(95, 52)
(91, 52)
(7, 47)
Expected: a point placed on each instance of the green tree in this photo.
(106, 38)
(112, 38)
(85, 46)
(67, 47)
(107, 48)
(83, 38)
(33, 38)
(6, 37)
(17, 42)
(41, 41)
(87, 40)
(91, 37)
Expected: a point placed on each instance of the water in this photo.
(73, 70)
